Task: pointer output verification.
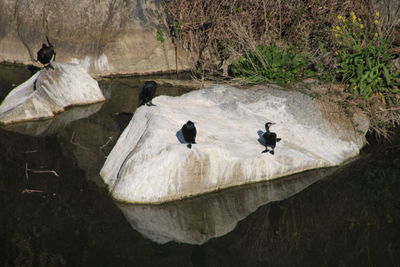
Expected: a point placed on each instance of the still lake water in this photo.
(351, 217)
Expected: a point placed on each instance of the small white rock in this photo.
(59, 87)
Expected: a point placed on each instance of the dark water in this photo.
(349, 218)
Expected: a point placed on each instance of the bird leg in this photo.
(49, 66)
(265, 151)
(150, 103)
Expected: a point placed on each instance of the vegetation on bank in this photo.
(287, 41)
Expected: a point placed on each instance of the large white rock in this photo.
(57, 88)
(150, 165)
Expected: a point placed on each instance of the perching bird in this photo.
(46, 53)
(147, 93)
(270, 139)
(189, 133)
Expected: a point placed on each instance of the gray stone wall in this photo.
(108, 36)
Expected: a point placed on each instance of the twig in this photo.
(109, 140)
(388, 109)
(44, 171)
(76, 143)
(30, 151)
(29, 191)
(26, 171)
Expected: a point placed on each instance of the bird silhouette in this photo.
(270, 139)
(46, 53)
(189, 133)
(147, 93)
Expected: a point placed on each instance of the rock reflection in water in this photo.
(195, 221)
(51, 126)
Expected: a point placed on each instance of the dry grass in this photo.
(216, 32)
(384, 114)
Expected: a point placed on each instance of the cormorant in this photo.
(46, 53)
(189, 133)
(147, 93)
(270, 138)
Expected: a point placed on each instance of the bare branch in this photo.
(110, 138)
(72, 141)
(29, 191)
(26, 171)
(44, 171)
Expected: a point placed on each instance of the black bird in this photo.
(46, 53)
(147, 93)
(270, 139)
(189, 133)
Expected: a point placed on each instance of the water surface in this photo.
(54, 210)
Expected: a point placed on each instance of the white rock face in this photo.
(150, 165)
(59, 87)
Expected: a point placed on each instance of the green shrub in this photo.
(271, 64)
(367, 69)
(364, 59)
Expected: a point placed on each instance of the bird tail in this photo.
(48, 41)
(189, 145)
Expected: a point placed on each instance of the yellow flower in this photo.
(338, 28)
(376, 35)
(337, 35)
(353, 16)
(361, 26)
(341, 18)
(376, 21)
(377, 14)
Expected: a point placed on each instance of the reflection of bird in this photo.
(270, 139)
(46, 53)
(189, 133)
(147, 93)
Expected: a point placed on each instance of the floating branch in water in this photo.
(110, 138)
(76, 143)
(44, 171)
(26, 171)
(38, 171)
(29, 191)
